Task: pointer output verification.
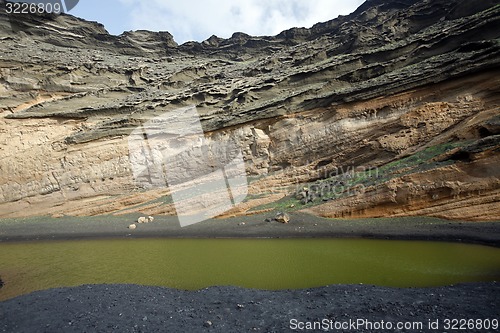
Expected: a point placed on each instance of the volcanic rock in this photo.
(391, 80)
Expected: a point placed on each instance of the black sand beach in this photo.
(132, 308)
(254, 226)
(359, 308)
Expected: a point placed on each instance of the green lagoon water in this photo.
(252, 263)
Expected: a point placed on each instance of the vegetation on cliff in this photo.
(408, 88)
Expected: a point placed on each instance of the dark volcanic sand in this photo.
(301, 225)
(132, 308)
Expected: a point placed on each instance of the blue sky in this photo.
(198, 20)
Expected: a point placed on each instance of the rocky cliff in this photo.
(390, 111)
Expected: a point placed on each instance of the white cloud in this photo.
(198, 20)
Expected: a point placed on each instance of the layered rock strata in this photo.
(364, 90)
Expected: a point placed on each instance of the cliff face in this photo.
(367, 91)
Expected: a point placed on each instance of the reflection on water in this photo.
(252, 263)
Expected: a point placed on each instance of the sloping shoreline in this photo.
(132, 308)
(301, 226)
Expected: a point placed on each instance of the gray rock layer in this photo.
(360, 90)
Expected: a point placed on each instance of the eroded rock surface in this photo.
(364, 90)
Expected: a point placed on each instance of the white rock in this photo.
(132, 226)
